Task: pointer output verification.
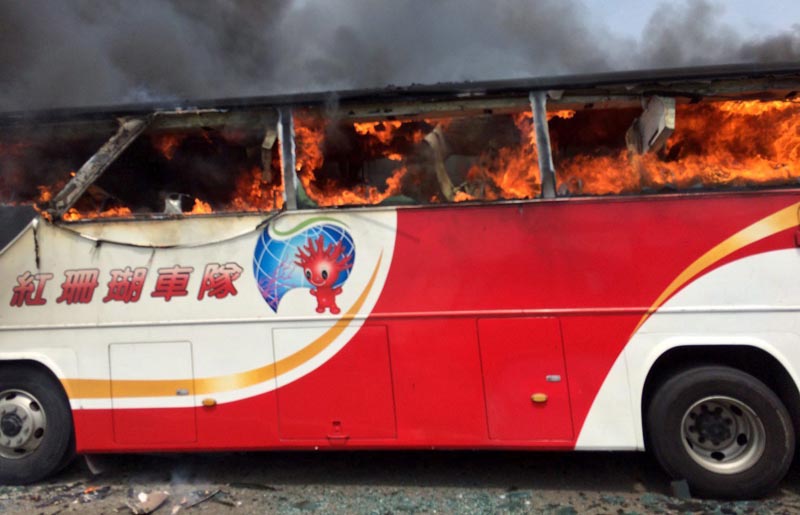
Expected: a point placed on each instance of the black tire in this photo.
(703, 401)
(55, 446)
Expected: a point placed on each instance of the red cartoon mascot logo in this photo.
(321, 266)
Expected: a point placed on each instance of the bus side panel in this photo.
(525, 380)
(585, 347)
(600, 264)
(350, 397)
(437, 381)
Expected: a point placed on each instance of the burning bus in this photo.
(589, 262)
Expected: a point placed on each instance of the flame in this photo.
(388, 131)
(506, 173)
(117, 212)
(167, 144)
(309, 136)
(201, 208)
(383, 130)
(309, 142)
(732, 143)
(253, 193)
(499, 173)
(564, 114)
(45, 194)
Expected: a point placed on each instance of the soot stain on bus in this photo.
(365, 215)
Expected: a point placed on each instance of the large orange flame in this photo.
(309, 142)
(733, 143)
(253, 193)
(508, 172)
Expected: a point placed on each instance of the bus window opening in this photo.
(188, 172)
(730, 144)
(164, 172)
(484, 157)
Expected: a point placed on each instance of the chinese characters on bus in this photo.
(126, 285)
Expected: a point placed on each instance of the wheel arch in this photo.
(41, 364)
(753, 360)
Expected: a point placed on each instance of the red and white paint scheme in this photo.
(563, 323)
(452, 319)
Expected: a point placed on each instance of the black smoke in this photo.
(56, 53)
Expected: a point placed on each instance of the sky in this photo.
(750, 18)
(79, 53)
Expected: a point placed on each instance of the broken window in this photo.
(485, 156)
(179, 171)
(715, 145)
(37, 161)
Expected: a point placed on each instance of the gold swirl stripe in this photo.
(772, 224)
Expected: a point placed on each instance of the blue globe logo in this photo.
(274, 260)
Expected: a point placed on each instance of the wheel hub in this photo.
(10, 424)
(723, 434)
(22, 424)
(713, 426)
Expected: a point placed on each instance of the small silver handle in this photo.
(553, 378)
(182, 392)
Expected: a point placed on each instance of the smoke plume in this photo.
(84, 52)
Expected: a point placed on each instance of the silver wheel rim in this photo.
(22, 424)
(723, 435)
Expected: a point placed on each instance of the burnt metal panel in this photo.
(128, 131)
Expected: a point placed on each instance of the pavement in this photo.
(379, 483)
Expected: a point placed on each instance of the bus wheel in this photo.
(35, 426)
(722, 430)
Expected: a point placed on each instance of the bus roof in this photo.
(699, 81)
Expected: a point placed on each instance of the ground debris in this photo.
(225, 498)
(195, 498)
(680, 489)
(458, 483)
(658, 503)
(56, 494)
(147, 503)
(94, 493)
(253, 486)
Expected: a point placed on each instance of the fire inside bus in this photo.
(600, 262)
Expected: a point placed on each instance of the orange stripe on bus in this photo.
(103, 388)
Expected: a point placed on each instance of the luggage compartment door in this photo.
(525, 379)
(167, 368)
(349, 397)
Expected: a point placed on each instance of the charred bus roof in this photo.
(741, 81)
